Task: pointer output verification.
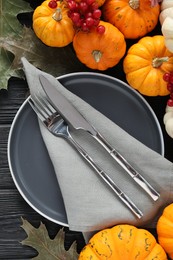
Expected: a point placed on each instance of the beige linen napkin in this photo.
(89, 203)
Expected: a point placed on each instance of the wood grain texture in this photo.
(12, 204)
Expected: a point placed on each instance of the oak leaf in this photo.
(47, 248)
(56, 61)
(10, 26)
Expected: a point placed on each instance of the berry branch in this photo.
(85, 14)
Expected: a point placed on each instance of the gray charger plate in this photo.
(30, 166)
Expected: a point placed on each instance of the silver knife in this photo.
(73, 117)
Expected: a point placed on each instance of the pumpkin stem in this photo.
(134, 4)
(57, 16)
(97, 55)
(157, 62)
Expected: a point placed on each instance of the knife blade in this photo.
(73, 117)
(70, 114)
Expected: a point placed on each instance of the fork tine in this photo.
(36, 109)
(47, 104)
(56, 125)
(43, 108)
(41, 104)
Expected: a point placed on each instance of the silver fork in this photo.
(58, 127)
(75, 120)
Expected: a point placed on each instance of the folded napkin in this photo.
(90, 204)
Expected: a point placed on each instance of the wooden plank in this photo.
(12, 234)
(3, 145)
(11, 100)
(6, 181)
(12, 207)
(5, 175)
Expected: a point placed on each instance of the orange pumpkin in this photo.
(165, 230)
(123, 242)
(102, 51)
(52, 25)
(134, 18)
(145, 64)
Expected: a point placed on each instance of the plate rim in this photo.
(12, 172)
(24, 104)
(134, 91)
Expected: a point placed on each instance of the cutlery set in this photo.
(58, 115)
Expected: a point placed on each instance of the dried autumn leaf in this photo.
(47, 248)
(22, 42)
(56, 61)
(6, 70)
(11, 28)
(9, 10)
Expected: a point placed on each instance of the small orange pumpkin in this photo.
(102, 51)
(52, 25)
(123, 242)
(134, 18)
(145, 64)
(165, 230)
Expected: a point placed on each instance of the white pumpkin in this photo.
(168, 120)
(166, 4)
(168, 12)
(166, 20)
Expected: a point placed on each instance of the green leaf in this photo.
(10, 26)
(47, 248)
(6, 70)
(17, 41)
(56, 61)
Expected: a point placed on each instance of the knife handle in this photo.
(143, 183)
(127, 201)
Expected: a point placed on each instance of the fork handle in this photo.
(143, 183)
(127, 201)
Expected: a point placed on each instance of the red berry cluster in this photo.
(85, 15)
(52, 4)
(168, 77)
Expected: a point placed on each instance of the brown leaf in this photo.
(56, 61)
(47, 248)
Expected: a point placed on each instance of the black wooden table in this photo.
(12, 205)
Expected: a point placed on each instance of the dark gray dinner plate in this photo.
(30, 166)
